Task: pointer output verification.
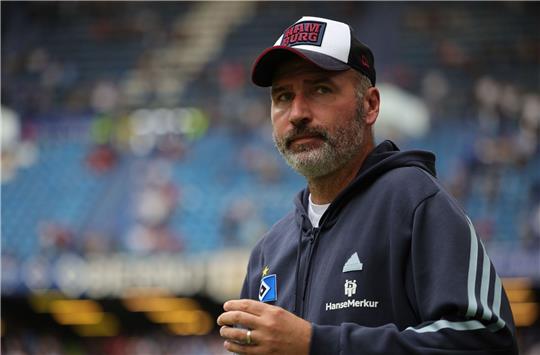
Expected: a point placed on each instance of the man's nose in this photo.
(300, 111)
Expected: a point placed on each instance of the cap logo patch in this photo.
(364, 61)
(305, 32)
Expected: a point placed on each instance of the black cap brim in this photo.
(269, 59)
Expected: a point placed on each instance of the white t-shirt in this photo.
(315, 212)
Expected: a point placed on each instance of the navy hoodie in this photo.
(395, 267)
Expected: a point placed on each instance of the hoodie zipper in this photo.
(314, 237)
(376, 167)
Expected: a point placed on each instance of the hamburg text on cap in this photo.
(329, 44)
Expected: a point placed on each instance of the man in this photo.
(376, 258)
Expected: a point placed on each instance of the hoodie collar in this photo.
(386, 156)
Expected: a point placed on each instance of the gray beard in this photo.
(335, 152)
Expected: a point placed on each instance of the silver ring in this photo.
(248, 337)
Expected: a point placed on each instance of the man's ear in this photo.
(371, 104)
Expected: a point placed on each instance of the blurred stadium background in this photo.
(138, 169)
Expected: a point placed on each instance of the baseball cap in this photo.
(329, 44)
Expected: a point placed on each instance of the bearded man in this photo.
(377, 257)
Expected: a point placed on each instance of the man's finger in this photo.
(239, 348)
(244, 319)
(246, 305)
(238, 335)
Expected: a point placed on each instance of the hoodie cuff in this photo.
(324, 339)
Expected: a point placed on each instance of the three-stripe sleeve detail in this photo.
(484, 286)
(472, 297)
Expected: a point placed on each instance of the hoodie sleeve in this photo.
(459, 297)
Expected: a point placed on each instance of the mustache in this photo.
(304, 131)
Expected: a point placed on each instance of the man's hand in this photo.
(273, 329)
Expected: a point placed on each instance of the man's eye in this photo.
(284, 97)
(322, 90)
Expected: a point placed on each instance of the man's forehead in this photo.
(297, 65)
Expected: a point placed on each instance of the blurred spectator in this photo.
(105, 97)
(262, 163)
(241, 224)
(102, 158)
(54, 238)
(155, 203)
(16, 150)
(435, 89)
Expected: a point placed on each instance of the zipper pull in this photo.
(314, 233)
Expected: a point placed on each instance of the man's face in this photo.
(317, 117)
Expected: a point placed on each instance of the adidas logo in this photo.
(353, 264)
